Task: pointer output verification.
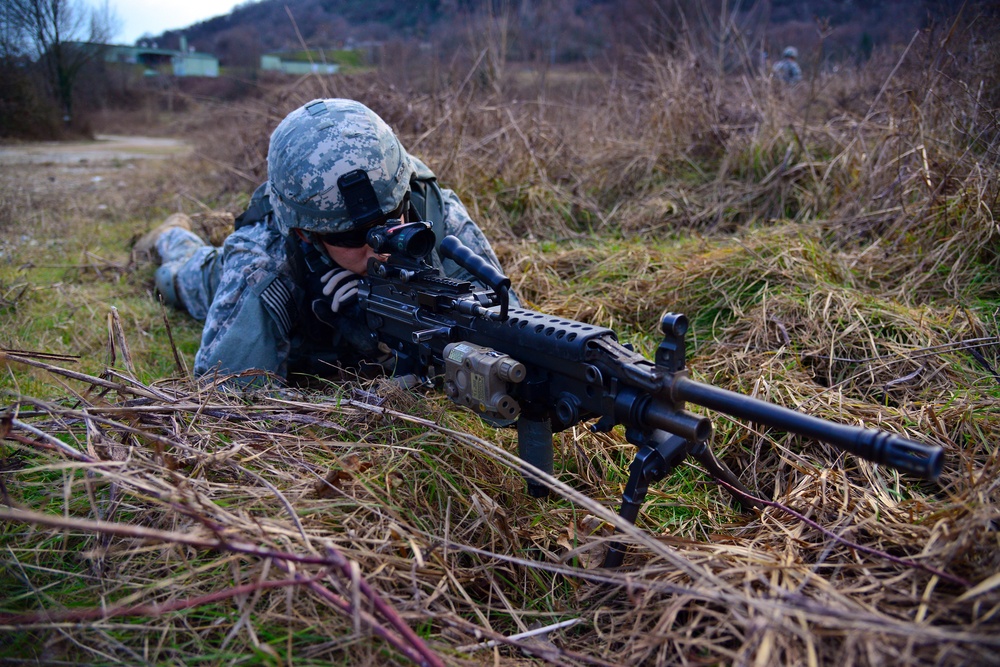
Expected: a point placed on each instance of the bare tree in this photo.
(60, 37)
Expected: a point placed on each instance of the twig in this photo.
(83, 377)
(885, 84)
(523, 635)
(56, 443)
(139, 532)
(116, 340)
(553, 654)
(380, 605)
(344, 606)
(854, 545)
(36, 354)
(78, 615)
(181, 368)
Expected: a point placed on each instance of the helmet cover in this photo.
(317, 144)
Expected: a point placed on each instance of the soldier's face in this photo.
(353, 259)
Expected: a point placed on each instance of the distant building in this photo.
(183, 62)
(296, 63)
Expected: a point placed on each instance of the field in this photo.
(834, 246)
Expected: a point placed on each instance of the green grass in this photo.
(775, 277)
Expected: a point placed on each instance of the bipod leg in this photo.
(701, 453)
(659, 453)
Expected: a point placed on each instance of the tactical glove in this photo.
(341, 286)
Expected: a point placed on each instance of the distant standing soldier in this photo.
(281, 295)
(787, 69)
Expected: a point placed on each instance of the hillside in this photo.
(559, 31)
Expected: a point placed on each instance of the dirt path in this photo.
(106, 149)
(111, 177)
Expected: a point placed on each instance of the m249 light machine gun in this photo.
(548, 373)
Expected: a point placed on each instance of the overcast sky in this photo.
(155, 16)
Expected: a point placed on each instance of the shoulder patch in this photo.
(277, 300)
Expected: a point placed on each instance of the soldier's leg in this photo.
(190, 272)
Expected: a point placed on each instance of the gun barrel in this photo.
(876, 446)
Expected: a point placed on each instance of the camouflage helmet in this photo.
(316, 145)
(790, 52)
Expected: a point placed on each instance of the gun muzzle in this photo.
(876, 446)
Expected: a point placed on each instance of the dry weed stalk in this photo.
(185, 481)
(835, 244)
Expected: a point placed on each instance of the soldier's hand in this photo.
(341, 286)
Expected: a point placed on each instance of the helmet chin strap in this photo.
(317, 258)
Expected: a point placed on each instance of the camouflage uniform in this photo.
(260, 296)
(787, 69)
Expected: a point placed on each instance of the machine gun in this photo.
(546, 374)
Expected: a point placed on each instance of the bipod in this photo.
(658, 454)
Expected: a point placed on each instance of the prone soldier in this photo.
(280, 295)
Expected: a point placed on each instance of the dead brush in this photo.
(280, 489)
(162, 520)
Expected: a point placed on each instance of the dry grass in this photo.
(836, 250)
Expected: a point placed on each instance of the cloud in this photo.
(156, 16)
